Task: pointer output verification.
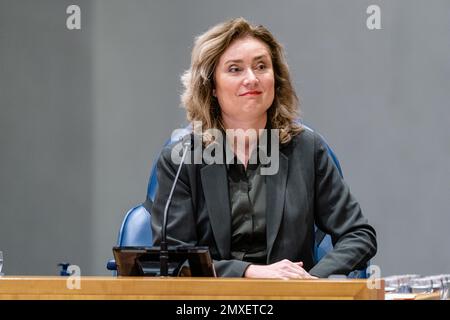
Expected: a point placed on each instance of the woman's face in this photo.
(244, 81)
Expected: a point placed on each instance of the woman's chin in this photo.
(254, 109)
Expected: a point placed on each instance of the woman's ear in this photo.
(214, 93)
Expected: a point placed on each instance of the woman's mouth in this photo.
(251, 93)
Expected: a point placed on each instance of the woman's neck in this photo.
(256, 124)
(251, 129)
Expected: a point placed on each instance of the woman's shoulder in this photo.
(308, 144)
(305, 138)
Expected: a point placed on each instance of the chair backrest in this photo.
(135, 229)
(136, 226)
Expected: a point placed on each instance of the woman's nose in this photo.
(250, 78)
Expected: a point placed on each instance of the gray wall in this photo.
(46, 128)
(84, 113)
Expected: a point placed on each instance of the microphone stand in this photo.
(164, 252)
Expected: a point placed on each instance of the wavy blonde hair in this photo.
(198, 80)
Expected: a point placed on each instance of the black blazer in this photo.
(307, 189)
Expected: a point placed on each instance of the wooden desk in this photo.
(110, 288)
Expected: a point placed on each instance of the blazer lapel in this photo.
(276, 190)
(215, 188)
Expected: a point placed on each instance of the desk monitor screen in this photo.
(183, 260)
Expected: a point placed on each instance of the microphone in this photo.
(159, 260)
(164, 252)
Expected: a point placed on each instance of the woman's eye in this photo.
(233, 69)
(261, 66)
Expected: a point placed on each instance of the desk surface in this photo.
(110, 288)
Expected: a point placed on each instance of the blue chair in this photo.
(136, 226)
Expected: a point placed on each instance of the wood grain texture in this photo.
(111, 288)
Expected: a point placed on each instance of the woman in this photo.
(256, 225)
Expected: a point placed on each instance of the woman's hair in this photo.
(198, 80)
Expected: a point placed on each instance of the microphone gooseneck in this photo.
(164, 253)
